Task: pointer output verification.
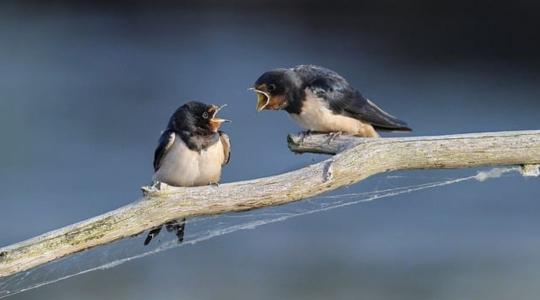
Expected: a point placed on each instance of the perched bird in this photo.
(191, 152)
(321, 100)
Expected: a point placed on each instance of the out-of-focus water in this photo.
(84, 96)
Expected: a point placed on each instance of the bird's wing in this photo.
(224, 138)
(377, 117)
(345, 100)
(166, 140)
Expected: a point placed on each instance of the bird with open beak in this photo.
(191, 152)
(321, 100)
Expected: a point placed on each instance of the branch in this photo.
(362, 158)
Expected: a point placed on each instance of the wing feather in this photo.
(166, 140)
(345, 100)
(224, 138)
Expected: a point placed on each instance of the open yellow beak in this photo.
(263, 98)
(219, 120)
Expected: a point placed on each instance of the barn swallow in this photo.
(321, 100)
(191, 152)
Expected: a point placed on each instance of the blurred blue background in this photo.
(86, 89)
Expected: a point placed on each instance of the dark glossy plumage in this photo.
(191, 129)
(344, 99)
(165, 141)
(188, 124)
(289, 89)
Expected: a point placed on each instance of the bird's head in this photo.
(273, 89)
(198, 117)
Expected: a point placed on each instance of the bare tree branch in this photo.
(360, 158)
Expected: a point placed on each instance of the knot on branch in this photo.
(328, 171)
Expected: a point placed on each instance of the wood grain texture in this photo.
(357, 159)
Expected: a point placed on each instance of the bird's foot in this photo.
(333, 135)
(215, 184)
(156, 187)
(305, 134)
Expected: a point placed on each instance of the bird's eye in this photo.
(271, 87)
(205, 115)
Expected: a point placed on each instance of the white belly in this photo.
(316, 116)
(182, 166)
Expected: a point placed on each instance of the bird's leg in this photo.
(180, 231)
(333, 135)
(155, 187)
(304, 135)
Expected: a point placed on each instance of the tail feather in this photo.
(382, 120)
(176, 226)
(152, 234)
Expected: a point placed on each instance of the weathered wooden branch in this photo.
(357, 159)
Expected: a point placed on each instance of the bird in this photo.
(191, 152)
(321, 100)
